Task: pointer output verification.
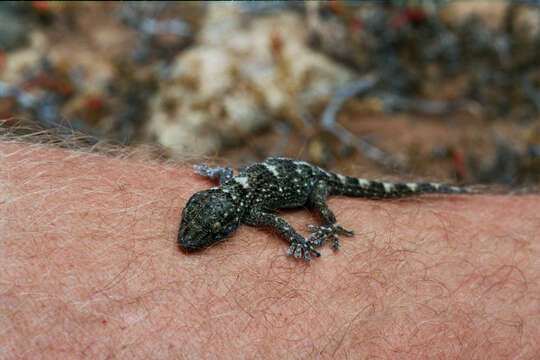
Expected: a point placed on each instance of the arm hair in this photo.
(90, 267)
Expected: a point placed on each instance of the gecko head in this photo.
(208, 217)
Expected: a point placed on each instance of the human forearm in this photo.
(90, 265)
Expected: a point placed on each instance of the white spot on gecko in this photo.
(364, 183)
(303, 163)
(242, 180)
(326, 173)
(342, 178)
(388, 187)
(412, 186)
(272, 169)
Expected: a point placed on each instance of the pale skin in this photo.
(90, 268)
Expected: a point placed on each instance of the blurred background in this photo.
(432, 90)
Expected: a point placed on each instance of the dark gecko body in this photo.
(277, 183)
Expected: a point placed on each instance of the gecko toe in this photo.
(335, 245)
(290, 250)
(298, 252)
(320, 234)
(201, 169)
(341, 229)
(305, 248)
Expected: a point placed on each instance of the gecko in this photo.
(276, 183)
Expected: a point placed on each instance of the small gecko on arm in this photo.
(250, 197)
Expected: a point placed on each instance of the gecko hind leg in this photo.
(330, 227)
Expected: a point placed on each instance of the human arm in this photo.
(90, 266)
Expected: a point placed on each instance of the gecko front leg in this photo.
(330, 227)
(298, 246)
(223, 174)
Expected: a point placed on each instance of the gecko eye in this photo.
(216, 227)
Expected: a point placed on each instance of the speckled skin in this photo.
(251, 196)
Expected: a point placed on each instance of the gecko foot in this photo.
(223, 174)
(303, 246)
(202, 169)
(322, 233)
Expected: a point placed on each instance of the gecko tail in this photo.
(372, 189)
(401, 190)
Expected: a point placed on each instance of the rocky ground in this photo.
(447, 91)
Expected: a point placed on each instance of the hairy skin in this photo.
(90, 268)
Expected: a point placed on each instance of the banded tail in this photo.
(372, 189)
